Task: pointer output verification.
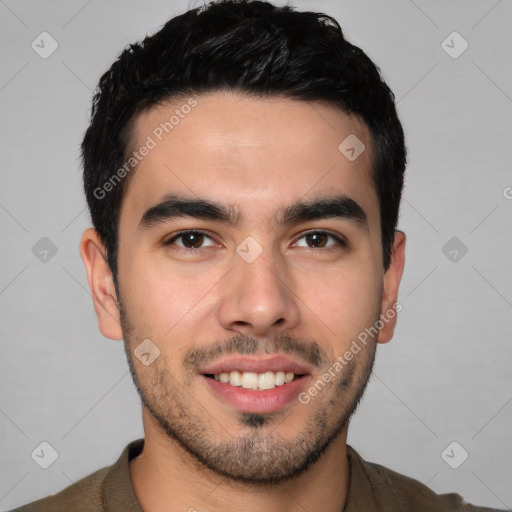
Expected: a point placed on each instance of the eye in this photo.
(191, 241)
(319, 239)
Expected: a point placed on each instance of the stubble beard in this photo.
(259, 456)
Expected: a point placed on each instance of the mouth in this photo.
(257, 385)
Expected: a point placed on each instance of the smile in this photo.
(255, 381)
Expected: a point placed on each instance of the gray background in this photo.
(446, 374)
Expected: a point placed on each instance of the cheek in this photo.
(344, 301)
(163, 297)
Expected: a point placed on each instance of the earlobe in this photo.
(101, 284)
(392, 278)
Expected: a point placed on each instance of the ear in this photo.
(392, 278)
(101, 284)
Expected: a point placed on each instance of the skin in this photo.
(255, 156)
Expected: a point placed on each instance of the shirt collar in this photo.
(117, 489)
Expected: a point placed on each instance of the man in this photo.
(243, 168)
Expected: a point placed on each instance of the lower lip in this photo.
(248, 400)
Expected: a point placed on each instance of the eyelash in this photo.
(340, 241)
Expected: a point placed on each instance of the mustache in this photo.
(282, 343)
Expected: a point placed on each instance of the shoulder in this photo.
(109, 488)
(82, 496)
(397, 492)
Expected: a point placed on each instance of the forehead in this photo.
(253, 154)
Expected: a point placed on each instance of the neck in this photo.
(167, 478)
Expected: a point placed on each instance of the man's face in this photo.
(267, 292)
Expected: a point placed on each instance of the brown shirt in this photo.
(372, 488)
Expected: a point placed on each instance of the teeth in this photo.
(235, 378)
(251, 380)
(267, 380)
(279, 378)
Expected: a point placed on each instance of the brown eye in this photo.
(320, 240)
(190, 240)
(317, 239)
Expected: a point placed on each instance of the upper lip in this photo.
(257, 365)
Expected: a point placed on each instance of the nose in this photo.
(258, 298)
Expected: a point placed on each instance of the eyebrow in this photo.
(326, 207)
